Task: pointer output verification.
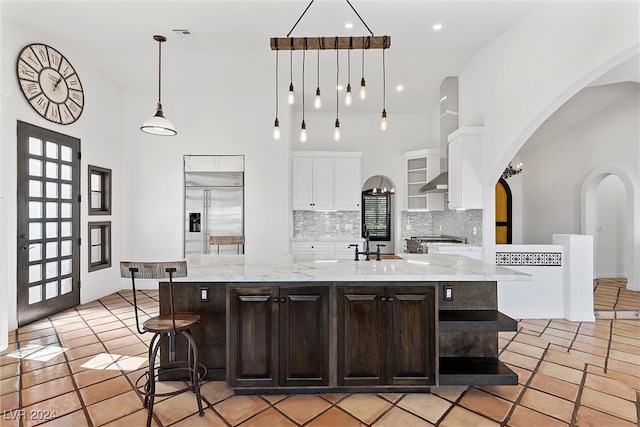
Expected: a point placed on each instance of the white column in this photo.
(578, 275)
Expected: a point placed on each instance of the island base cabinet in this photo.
(278, 337)
(386, 336)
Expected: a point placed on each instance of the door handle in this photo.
(25, 247)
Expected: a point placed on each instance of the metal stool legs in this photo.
(152, 375)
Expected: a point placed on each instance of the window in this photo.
(99, 191)
(376, 215)
(99, 245)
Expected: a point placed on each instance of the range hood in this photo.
(448, 124)
(439, 184)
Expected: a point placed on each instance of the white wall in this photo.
(609, 238)
(556, 168)
(99, 129)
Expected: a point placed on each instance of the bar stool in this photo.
(166, 327)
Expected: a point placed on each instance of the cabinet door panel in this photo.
(411, 358)
(361, 336)
(323, 183)
(302, 184)
(304, 335)
(253, 342)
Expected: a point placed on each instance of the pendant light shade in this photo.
(158, 124)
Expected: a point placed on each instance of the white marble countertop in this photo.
(312, 268)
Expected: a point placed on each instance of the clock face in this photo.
(50, 84)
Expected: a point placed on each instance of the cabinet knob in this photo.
(276, 299)
(383, 299)
(283, 299)
(390, 299)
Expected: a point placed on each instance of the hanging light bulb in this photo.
(317, 103)
(347, 98)
(303, 132)
(363, 86)
(276, 125)
(276, 130)
(336, 131)
(291, 99)
(303, 127)
(383, 121)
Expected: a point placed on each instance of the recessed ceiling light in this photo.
(348, 25)
(437, 27)
(399, 88)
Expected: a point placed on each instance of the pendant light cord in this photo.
(337, 80)
(318, 69)
(348, 2)
(159, 71)
(384, 83)
(277, 83)
(304, 51)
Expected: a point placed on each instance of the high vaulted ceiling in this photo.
(229, 38)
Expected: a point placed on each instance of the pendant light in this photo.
(336, 130)
(363, 86)
(348, 98)
(291, 99)
(383, 119)
(158, 124)
(303, 127)
(317, 103)
(276, 125)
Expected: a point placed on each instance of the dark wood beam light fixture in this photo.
(330, 43)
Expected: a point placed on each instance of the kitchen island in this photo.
(314, 324)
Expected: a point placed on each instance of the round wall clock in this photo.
(50, 83)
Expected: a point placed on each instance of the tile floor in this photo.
(570, 373)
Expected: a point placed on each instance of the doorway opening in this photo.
(377, 212)
(504, 219)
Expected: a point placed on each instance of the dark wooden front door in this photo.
(48, 260)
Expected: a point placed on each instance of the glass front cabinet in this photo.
(422, 166)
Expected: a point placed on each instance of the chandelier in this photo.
(510, 171)
(337, 43)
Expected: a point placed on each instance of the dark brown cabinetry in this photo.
(386, 335)
(278, 336)
(209, 300)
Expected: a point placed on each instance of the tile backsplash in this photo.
(449, 222)
(314, 225)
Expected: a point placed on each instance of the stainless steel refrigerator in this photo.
(214, 206)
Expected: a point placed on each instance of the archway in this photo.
(589, 219)
(380, 185)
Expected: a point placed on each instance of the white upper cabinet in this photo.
(348, 183)
(326, 181)
(421, 167)
(465, 157)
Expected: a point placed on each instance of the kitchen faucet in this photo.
(367, 252)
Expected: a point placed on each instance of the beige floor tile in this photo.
(49, 409)
(48, 373)
(335, 417)
(79, 342)
(176, 408)
(561, 372)
(525, 417)
(451, 392)
(138, 418)
(84, 351)
(427, 406)
(516, 359)
(396, 417)
(114, 408)
(9, 401)
(366, 407)
(633, 358)
(10, 370)
(334, 397)
(616, 406)
(91, 376)
(268, 418)
(105, 390)
(590, 417)
(303, 407)
(548, 404)
(391, 397)
(526, 349)
(46, 390)
(209, 419)
(274, 398)
(624, 367)
(238, 408)
(462, 417)
(215, 391)
(509, 392)
(554, 386)
(10, 385)
(486, 404)
(74, 419)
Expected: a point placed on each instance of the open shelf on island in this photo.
(475, 321)
(475, 370)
